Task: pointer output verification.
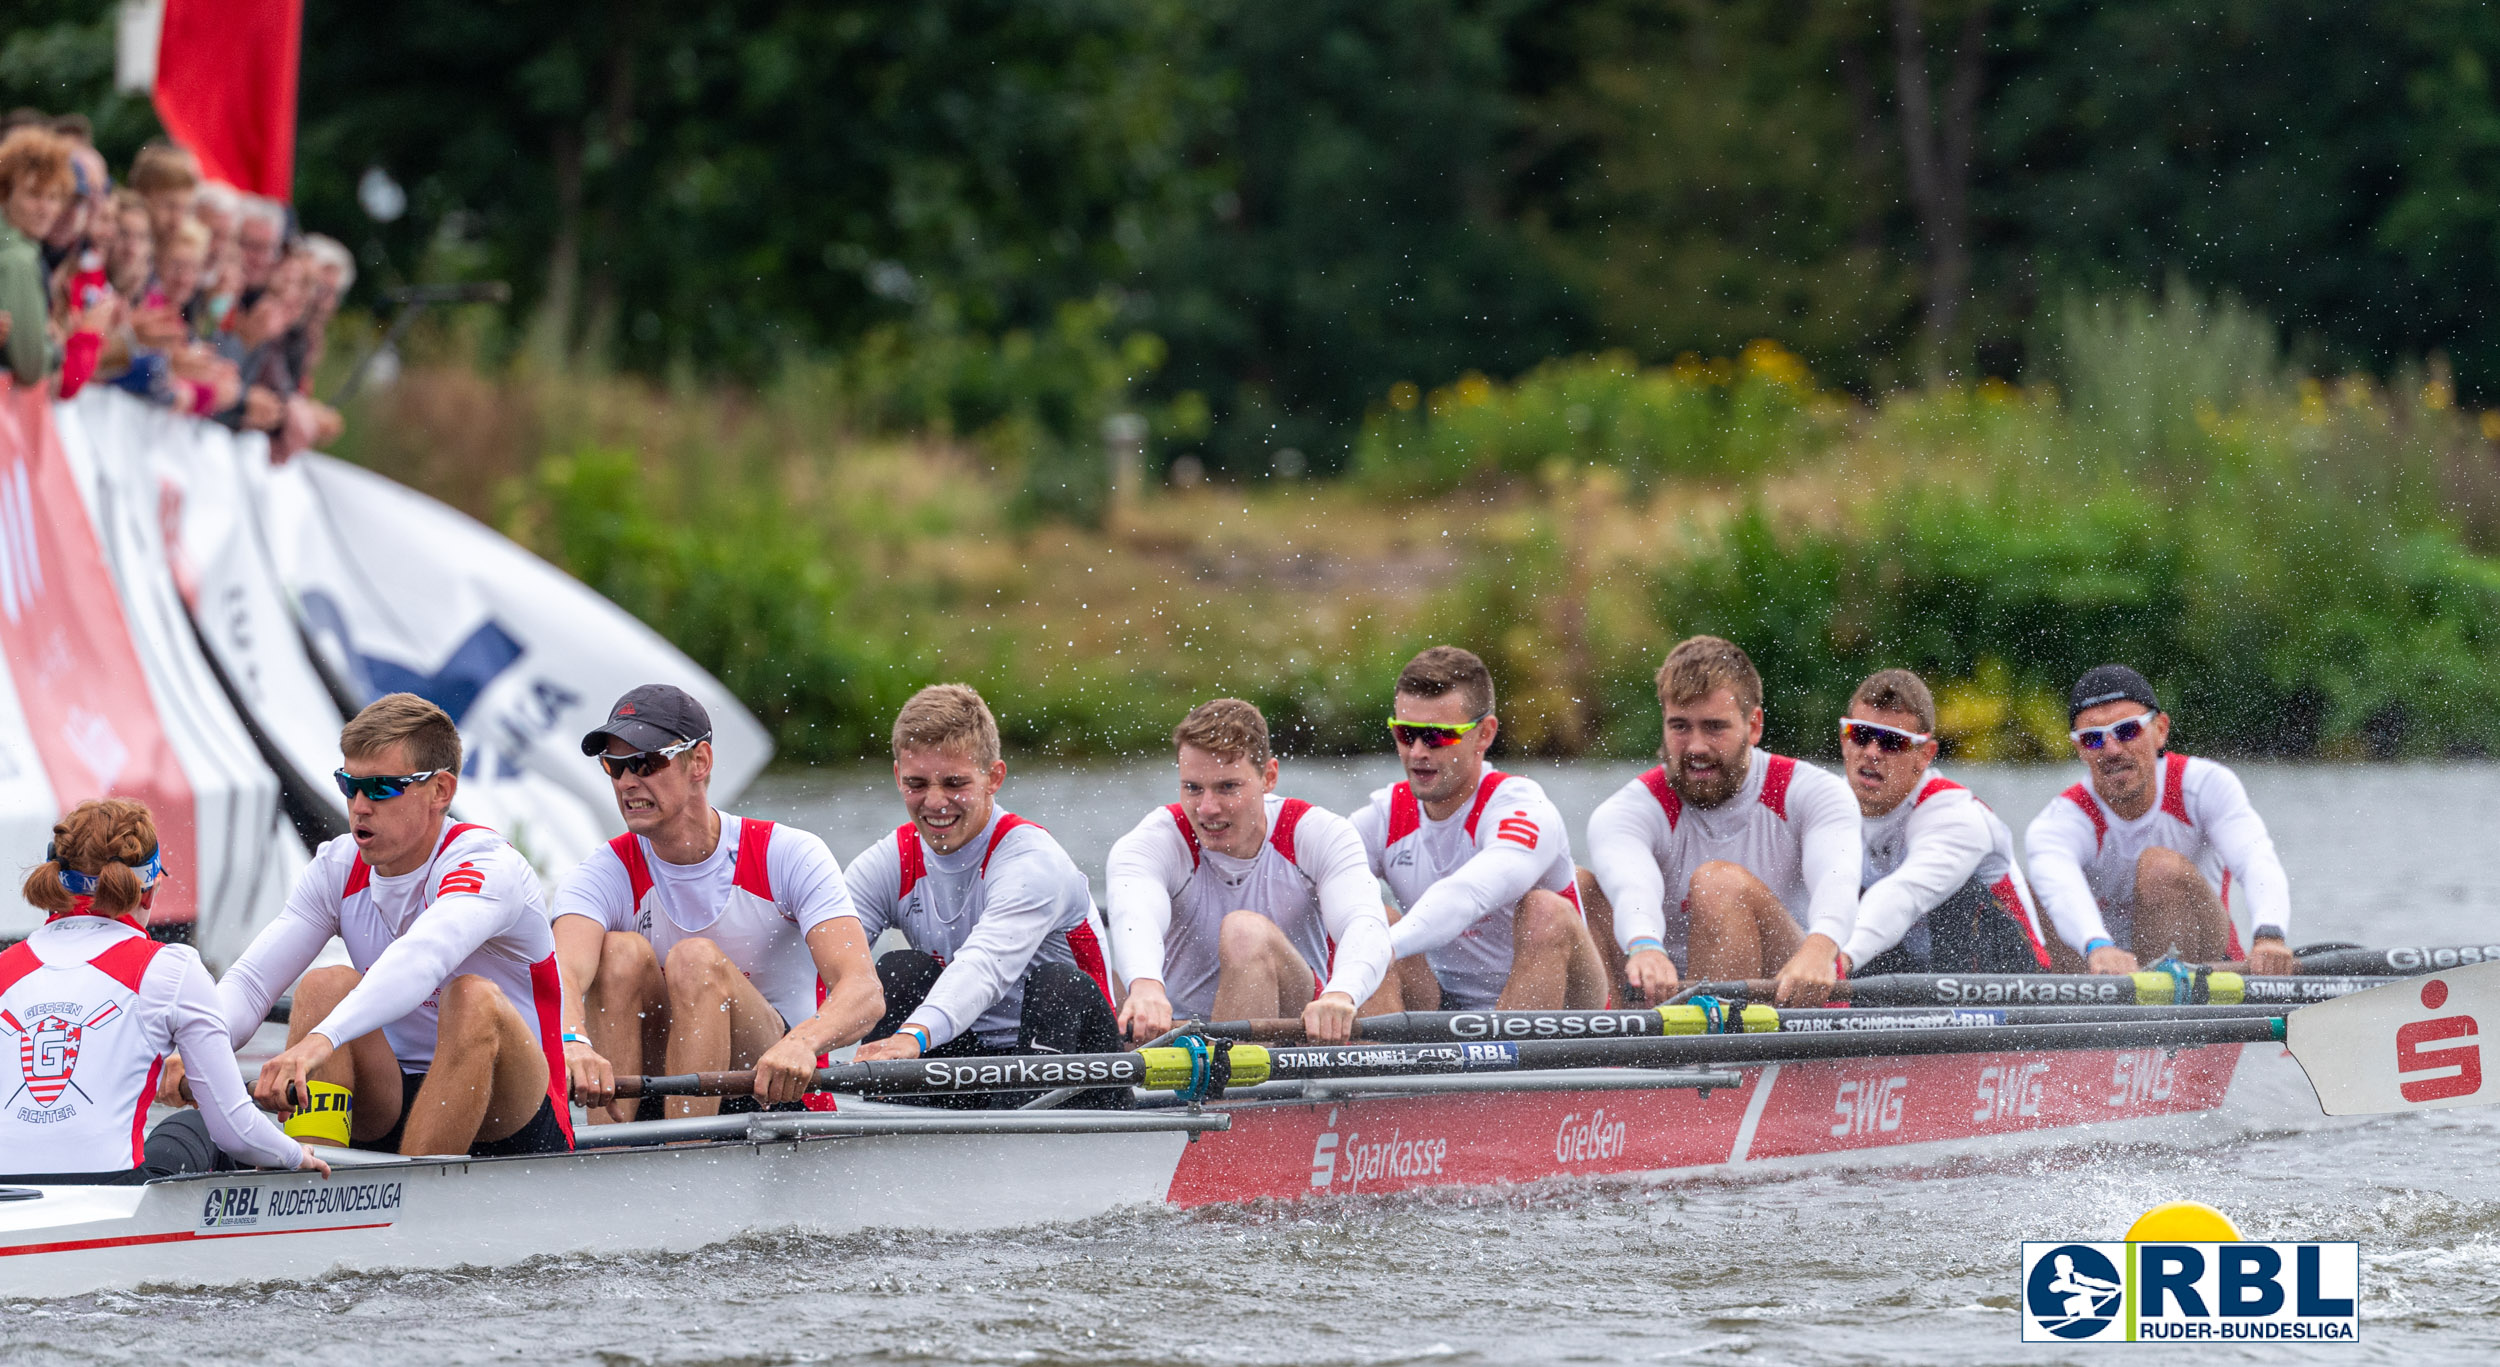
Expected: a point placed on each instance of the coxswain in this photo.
(92, 1007)
(443, 1036)
(701, 938)
(1942, 893)
(1726, 861)
(1235, 903)
(1478, 859)
(1002, 957)
(2144, 860)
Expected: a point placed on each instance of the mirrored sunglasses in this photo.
(1435, 734)
(379, 787)
(2124, 732)
(1892, 740)
(644, 762)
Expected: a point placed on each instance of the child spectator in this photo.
(35, 188)
(168, 179)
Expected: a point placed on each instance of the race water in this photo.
(1913, 1266)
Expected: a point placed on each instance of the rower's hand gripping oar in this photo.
(2412, 1045)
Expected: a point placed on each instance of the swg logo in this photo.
(2411, 1057)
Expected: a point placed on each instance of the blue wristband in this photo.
(919, 1031)
(1645, 942)
(575, 1037)
(2098, 942)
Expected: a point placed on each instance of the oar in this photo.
(1689, 1019)
(2401, 962)
(1194, 1070)
(2191, 987)
(2413, 1045)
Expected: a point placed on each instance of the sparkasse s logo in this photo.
(2183, 1275)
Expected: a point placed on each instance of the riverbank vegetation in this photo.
(2302, 563)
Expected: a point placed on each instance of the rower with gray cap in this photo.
(697, 940)
(2152, 855)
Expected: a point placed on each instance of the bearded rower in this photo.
(89, 1009)
(1235, 903)
(1738, 862)
(1003, 958)
(1478, 858)
(443, 1037)
(699, 937)
(2144, 860)
(1942, 893)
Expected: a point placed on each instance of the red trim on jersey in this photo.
(1288, 815)
(1484, 796)
(547, 994)
(753, 875)
(628, 849)
(139, 1112)
(1087, 951)
(2174, 787)
(1933, 786)
(1776, 776)
(2082, 797)
(359, 876)
(126, 962)
(16, 962)
(907, 847)
(2226, 889)
(1189, 833)
(2009, 899)
(1669, 801)
(1007, 822)
(1406, 815)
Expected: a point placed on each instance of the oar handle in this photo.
(740, 1083)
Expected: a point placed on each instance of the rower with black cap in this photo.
(707, 940)
(2149, 857)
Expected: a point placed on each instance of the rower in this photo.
(1234, 903)
(701, 938)
(1942, 893)
(1002, 955)
(1726, 861)
(442, 1039)
(94, 1007)
(1479, 859)
(2140, 862)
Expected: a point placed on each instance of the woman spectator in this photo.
(35, 188)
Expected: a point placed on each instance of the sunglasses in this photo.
(380, 787)
(645, 762)
(1892, 740)
(2124, 732)
(1435, 734)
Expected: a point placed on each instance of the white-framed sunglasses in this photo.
(1892, 740)
(645, 762)
(2124, 732)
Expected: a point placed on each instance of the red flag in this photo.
(225, 88)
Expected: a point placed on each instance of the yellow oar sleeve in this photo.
(329, 1115)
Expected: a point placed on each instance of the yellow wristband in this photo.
(330, 1114)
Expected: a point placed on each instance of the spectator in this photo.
(260, 230)
(36, 184)
(217, 207)
(334, 274)
(169, 180)
(130, 259)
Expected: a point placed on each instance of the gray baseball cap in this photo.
(652, 717)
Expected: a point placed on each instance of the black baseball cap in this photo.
(652, 717)
(2108, 683)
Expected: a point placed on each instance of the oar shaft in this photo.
(2397, 963)
(1420, 1026)
(2147, 988)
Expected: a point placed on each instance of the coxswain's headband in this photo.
(85, 884)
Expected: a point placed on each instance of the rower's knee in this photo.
(322, 989)
(1247, 937)
(1544, 924)
(2170, 876)
(471, 1007)
(624, 958)
(1719, 887)
(697, 971)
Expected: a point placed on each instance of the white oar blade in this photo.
(2413, 1045)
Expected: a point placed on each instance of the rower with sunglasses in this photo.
(701, 938)
(2144, 860)
(1942, 893)
(443, 1036)
(1739, 862)
(1479, 859)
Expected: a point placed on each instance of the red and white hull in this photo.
(869, 1166)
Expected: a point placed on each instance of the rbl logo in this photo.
(2411, 1057)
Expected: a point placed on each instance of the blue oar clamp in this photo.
(1210, 1068)
(2185, 979)
(1717, 1017)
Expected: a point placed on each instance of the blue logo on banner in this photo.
(2073, 1292)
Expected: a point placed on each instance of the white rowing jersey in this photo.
(89, 1008)
(1791, 825)
(1008, 899)
(1311, 876)
(2083, 855)
(1923, 851)
(1460, 878)
(474, 907)
(758, 894)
